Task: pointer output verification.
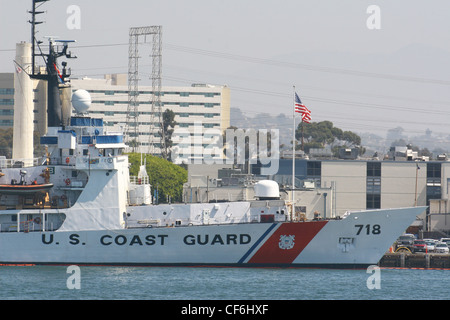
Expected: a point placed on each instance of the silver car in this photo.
(441, 247)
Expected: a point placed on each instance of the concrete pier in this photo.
(416, 260)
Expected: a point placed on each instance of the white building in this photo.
(197, 108)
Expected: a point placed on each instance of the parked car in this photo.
(431, 244)
(445, 240)
(441, 247)
(419, 246)
(406, 240)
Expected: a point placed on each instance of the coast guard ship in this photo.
(78, 205)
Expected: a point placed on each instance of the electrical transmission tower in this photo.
(132, 121)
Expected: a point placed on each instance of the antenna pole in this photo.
(293, 154)
(33, 32)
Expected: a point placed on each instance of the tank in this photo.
(267, 190)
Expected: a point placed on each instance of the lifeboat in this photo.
(24, 188)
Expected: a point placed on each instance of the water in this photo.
(153, 283)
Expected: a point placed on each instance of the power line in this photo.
(278, 63)
(333, 101)
(285, 84)
(303, 66)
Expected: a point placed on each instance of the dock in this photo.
(415, 261)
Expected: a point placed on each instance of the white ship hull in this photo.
(357, 241)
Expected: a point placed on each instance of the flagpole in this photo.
(303, 149)
(293, 154)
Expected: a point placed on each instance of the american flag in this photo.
(302, 109)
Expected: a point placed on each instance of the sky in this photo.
(365, 69)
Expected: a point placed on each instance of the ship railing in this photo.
(57, 161)
(82, 162)
(17, 163)
(87, 162)
(27, 226)
(182, 222)
(139, 180)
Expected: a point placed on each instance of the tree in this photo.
(164, 176)
(6, 142)
(321, 134)
(168, 124)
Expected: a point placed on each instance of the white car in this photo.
(441, 247)
(431, 244)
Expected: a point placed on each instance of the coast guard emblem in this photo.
(286, 242)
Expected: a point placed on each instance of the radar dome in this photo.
(267, 190)
(81, 101)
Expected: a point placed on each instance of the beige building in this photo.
(199, 106)
(39, 97)
(6, 100)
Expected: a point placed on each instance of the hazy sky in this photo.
(361, 79)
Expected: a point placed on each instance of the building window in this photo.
(7, 102)
(313, 172)
(374, 169)
(6, 123)
(373, 201)
(433, 181)
(7, 112)
(373, 185)
(314, 168)
(5, 91)
(433, 174)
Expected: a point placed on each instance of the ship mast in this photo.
(55, 78)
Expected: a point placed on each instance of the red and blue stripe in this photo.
(269, 251)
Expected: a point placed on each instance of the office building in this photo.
(197, 108)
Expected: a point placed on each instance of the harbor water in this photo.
(157, 283)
